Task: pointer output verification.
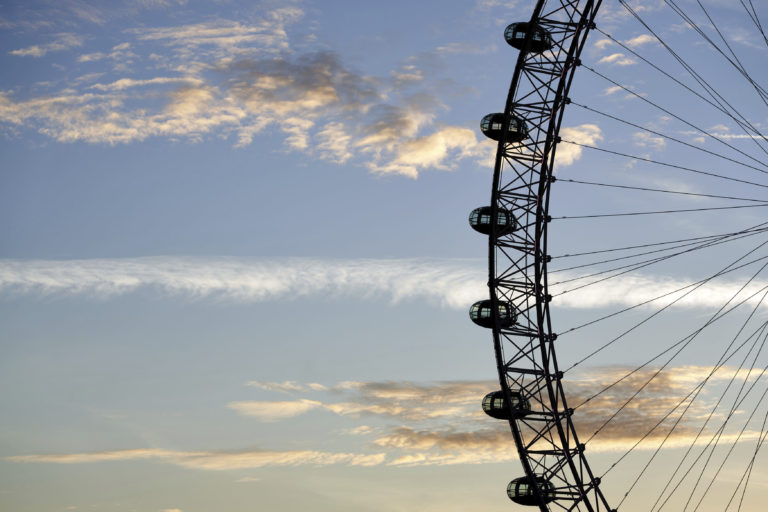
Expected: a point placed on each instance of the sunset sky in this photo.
(235, 264)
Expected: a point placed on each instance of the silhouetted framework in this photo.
(556, 473)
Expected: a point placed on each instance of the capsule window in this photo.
(521, 491)
(492, 127)
(481, 313)
(495, 405)
(540, 39)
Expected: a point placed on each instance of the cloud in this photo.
(603, 43)
(273, 411)
(648, 140)
(424, 441)
(452, 283)
(125, 83)
(224, 37)
(618, 59)
(334, 143)
(404, 400)
(640, 40)
(439, 150)
(567, 154)
(287, 386)
(408, 74)
(121, 56)
(426, 410)
(190, 111)
(629, 290)
(463, 48)
(62, 42)
(248, 479)
(408, 423)
(211, 461)
(237, 80)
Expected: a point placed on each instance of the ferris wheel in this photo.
(687, 439)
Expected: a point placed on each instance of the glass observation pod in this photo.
(495, 406)
(481, 313)
(522, 492)
(515, 34)
(480, 220)
(491, 126)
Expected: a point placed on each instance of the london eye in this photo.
(702, 443)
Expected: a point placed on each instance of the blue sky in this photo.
(235, 263)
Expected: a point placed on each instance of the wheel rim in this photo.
(546, 441)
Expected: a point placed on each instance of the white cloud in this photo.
(274, 411)
(235, 79)
(439, 150)
(648, 140)
(630, 290)
(191, 111)
(603, 43)
(448, 283)
(125, 83)
(334, 143)
(225, 36)
(463, 48)
(567, 154)
(408, 73)
(452, 283)
(211, 461)
(61, 43)
(618, 59)
(640, 40)
(286, 387)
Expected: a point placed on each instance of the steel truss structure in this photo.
(546, 438)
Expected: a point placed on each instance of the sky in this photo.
(235, 264)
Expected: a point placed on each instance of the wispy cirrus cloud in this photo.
(210, 460)
(647, 140)
(288, 386)
(453, 283)
(62, 42)
(126, 83)
(226, 36)
(274, 411)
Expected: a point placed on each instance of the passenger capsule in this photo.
(495, 406)
(480, 220)
(491, 126)
(515, 35)
(481, 313)
(521, 491)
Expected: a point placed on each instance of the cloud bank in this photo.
(242, 79)
(415, 424)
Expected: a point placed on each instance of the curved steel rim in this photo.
(565, 428)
